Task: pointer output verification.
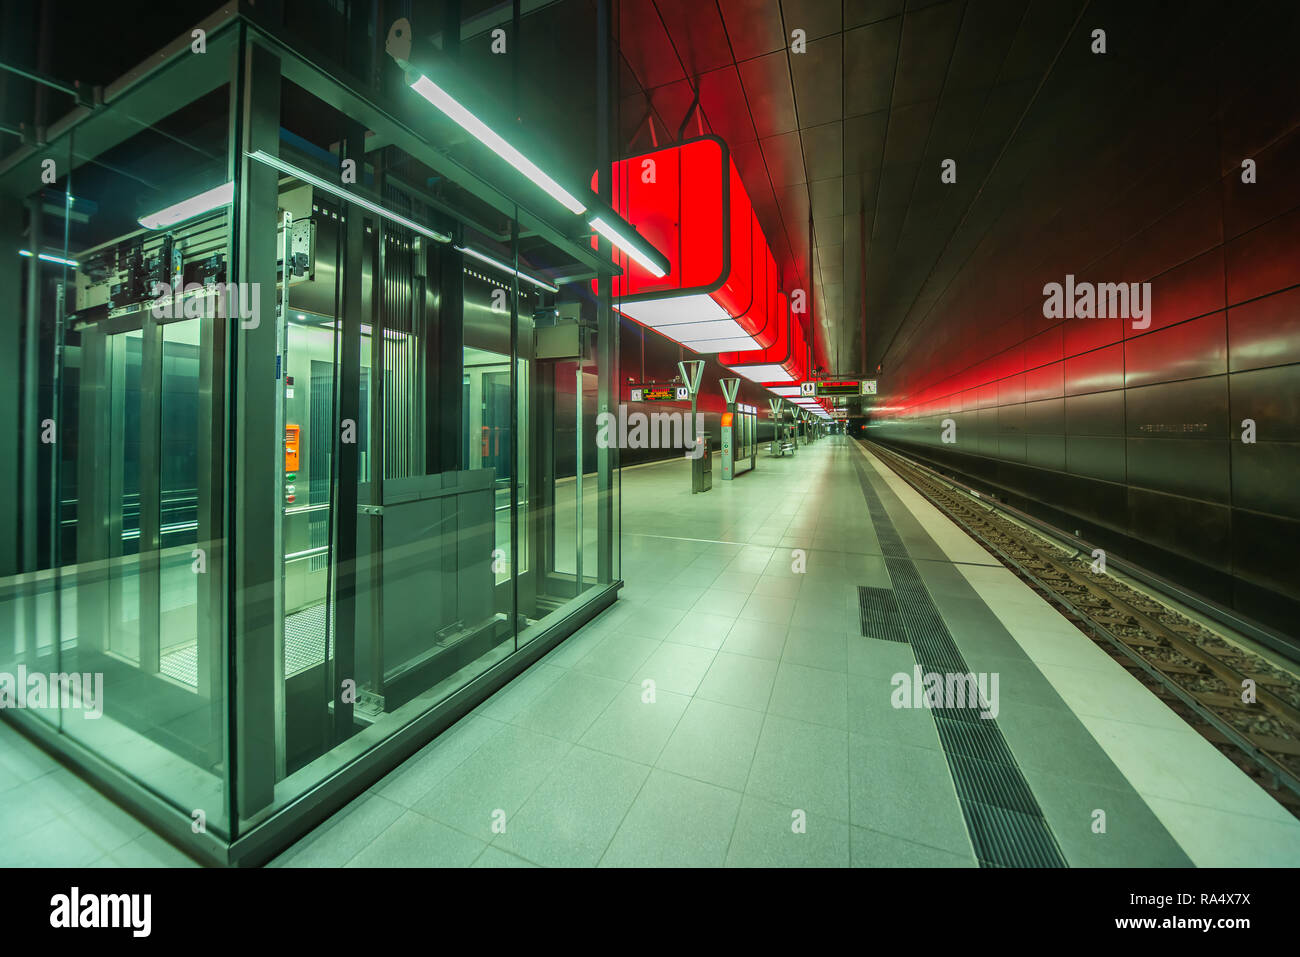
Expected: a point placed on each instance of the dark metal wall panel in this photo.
(1195, 469)
(1265, 332)
(1265, 477)
(1047, 416)
(1011, 418)
(1095, 371)
(1095, 456)
(1184, 526)
(1264, 552)
(1196, 409)
(1099, 413)
(1045, 382)
(1194, 288)
(1272, 398)
(1045, 451)
(1263, 260)
(1184, 351)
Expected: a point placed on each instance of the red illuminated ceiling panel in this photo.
(720, 289)
(781, 364)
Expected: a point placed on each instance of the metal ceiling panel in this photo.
(818, 90)
(928, 39)
(698, 34)
(817, 18)
(823, 147)
(766, 81)
(784, 157)
(723, 100)
(858, 12)
(870, 57)
(645, 45)
(754, 27)
(827, 201)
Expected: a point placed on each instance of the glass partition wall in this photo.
(307, 469)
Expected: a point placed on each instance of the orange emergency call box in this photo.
(292, 436)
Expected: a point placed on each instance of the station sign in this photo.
(652, 392)
(838, 387)
(839, 413)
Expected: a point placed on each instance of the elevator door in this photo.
(145, 555)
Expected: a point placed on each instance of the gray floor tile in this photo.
(414, 840)
(617, 657)
(907, 792)
(495, 857)
(874, 849)
(802, 765)
(758, 639)
(1132, 837)
(500, 775)
(872, 656)
(770, 835)
(415, 777)
(676, 668)
(713, 742)
(871, 712)
(337, 840)
(636, 726)
(675, 822)
(702, 630)
(569, 707)
(816, 648)
(739, 680)
(571, 818)
(717, 602)
(810, 694)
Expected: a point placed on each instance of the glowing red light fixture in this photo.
(779, 367)
(718, 292)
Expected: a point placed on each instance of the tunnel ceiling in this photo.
(855, 130)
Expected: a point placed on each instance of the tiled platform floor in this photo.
(767, 707)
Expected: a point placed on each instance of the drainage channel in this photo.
(1005, 823)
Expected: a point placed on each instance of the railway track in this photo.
(1245, 705)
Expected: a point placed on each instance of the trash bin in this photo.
(702, 467)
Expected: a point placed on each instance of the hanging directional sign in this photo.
(659, 392)
(839, 387)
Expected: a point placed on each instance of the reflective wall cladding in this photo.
(1174, 437)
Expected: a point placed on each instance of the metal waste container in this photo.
(702, 467)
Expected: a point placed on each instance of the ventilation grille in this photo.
(879, 614)
(1005, 823)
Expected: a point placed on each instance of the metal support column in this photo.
(254, 568)
(607, 321)
(11, 425)
(348, 443)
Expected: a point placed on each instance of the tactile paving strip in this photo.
(1005, 823)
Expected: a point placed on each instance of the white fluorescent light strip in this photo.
(763, 373)
(204, 202)
(48, 258)
(484, 257)
(625, 244)
(276, 163)
(485, 135)
(677, 310)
